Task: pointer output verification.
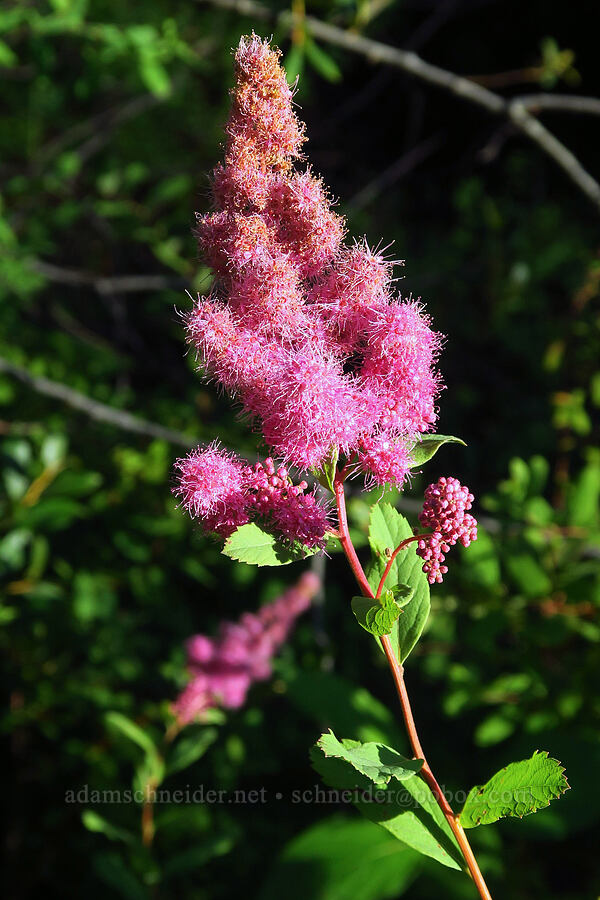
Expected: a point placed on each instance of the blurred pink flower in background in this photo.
(223, 668)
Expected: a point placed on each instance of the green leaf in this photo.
(294, 62)
(376, 761)
(51, 514)
(409, 810)
(190, 748)
(378, 616)
(387, 529)
(151, 767)
(7, 56)
(326, 474)
(94, 822)
(495, 727)
(53, 450)
(322, 62)
(518, 789)
(250, 544)
(328, 699)
(414, 817)
(132, 731)
(112, 870)
(341, 859)
(422, 451)
(13, 547)
(153, 73)
(196, 857)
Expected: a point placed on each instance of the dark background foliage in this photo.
(113, 115)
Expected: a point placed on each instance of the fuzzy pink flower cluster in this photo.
(223, 668)
(302, 328)
(216, 488)
(445, 516)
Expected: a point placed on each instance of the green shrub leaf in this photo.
(387, 529)
(322, 62)
(518, 789)
(131, 730)
(95, 822)
(376, 761)
(190, 748)
(346, 707)
(422, 451)
(378, 616)
(341, 859)
(409, 810)
(250, 544)
(326, 474)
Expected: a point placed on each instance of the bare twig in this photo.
(561, 103)
(100, 412)
(438, 18)
(376, 52)
(399, 169)
(496, 143)
(118, 284)
(99, 126)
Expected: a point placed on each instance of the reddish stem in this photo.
(390, 563)
(427, 774)
(345, 541)
(398, 676)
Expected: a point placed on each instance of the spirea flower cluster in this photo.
(445, 516)
(222, 493)
(223, 668)
(302, 327)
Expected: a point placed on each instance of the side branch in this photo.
(105, 284)
(517, 110)
(101, 412)
(390, 562)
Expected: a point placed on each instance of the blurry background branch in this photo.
(561, 103)
(119, 284)
(516, 109)
(95, 132)
(399, 169)
(100, 412)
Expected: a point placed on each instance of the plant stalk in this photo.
(390, 562)
(397, 671)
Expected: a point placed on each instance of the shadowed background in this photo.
(113, 116)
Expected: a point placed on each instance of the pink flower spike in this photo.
(357, 285)
(445, 516)
(222, 669)
(399, 366)
(303, 330)
(210, 486)
(386, 459)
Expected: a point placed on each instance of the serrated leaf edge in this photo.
(545, 754)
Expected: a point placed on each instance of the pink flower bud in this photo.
(445, 516)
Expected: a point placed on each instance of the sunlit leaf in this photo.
(251, 544)
(376, 761)
(428, 445)
(519, 789)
